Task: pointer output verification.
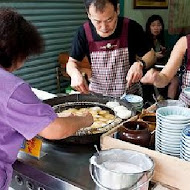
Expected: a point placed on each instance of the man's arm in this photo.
(78, 82)
(139, 49)
(149, 58)
(135, 73)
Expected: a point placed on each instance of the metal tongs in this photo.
(157, 97)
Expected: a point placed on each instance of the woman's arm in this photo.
(176, 59)
(161, 79)
(63, 127)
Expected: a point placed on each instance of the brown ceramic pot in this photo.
(136, 132)
(149, 118)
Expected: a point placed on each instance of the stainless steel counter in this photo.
(62, 167)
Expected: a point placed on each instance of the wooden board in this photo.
(168, 169)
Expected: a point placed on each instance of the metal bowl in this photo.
(165, 103)
(134, 171)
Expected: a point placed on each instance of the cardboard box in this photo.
(168, 169)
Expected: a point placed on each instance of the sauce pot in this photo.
(149, 118)
(135, 132)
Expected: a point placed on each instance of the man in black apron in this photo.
(112, 44)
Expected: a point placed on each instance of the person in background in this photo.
(111, 44)
(155, 35)
(163, 78)
(23, 115)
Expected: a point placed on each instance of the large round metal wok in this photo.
(86, 135)
(77, 105)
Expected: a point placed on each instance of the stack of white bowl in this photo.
(170, 122)
(136, 101)
(185, 144)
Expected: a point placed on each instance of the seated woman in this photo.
(155, 35)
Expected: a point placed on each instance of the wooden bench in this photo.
(84, 66)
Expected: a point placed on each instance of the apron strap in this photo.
(124, 33)
(88, 32)
(188, 52)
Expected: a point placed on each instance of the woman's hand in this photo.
(161, 53)
(88, 118)
(134, 74)
(150, 77)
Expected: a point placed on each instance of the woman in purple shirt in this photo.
(23, 115)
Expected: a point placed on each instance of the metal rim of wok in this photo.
(86, 137)
(88, 130)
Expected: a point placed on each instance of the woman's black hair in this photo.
(100, 4)
(18, 38)
(160, 37)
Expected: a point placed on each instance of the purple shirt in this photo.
(23, 115)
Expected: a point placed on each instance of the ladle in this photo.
(155, 99)
(96, 147)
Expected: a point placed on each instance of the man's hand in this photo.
(79, 83)
(134, 74)
(159, 55)
(150, 77)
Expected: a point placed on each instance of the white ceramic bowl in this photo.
(167, 145)
(174, 113)
(169, 135)
(171, 126)
(186, 132)
(184, 143)
(187, 91)
(133, 98)
(177, 154)
(172, 142)
(168, 149)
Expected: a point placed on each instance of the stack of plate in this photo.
(136, 101)
(185, 144)
(170, 122)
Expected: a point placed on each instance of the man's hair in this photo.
(18, 38)
(100, 4)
